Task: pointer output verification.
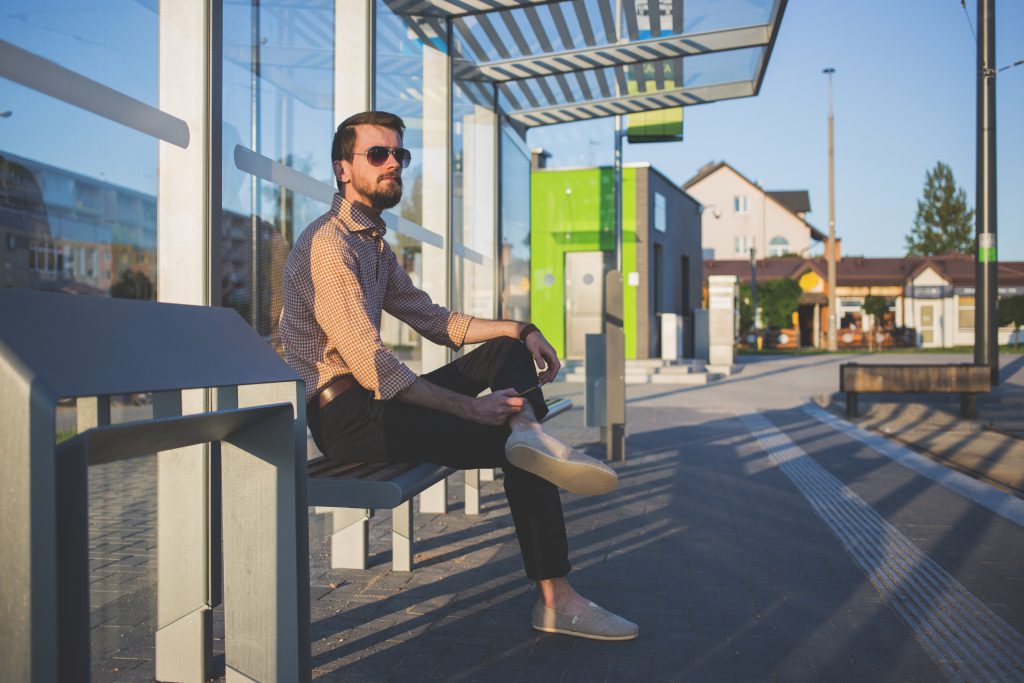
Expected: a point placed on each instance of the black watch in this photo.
(527, 331)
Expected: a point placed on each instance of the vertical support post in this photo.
(29, 646)
(721, 321)
(615, 369)
(434, 500)
(353, 57)
(73, 562)
(266, 541)
(350, 537)
(437, 157)
(401, 537)
(986, 323)
(184, 635)
(92, 411)
(472, 505)
(188, 262)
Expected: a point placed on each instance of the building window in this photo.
(965, 313)
(778, 246)
(743, 244)
(660, 212)
(741, 203)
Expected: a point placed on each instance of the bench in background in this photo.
(352, 491)
(966, 380)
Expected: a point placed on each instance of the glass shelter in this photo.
(175, 149)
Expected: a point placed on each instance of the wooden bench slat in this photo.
(901, 379)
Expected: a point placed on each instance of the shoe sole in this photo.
(580, 634)
(578, 478)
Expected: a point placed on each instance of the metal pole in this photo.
(986, 338)
(830, 254)
(753, 284)
(615, 340)
(254, 182)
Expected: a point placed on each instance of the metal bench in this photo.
(214, 381)
(965, 379)
(351, 491)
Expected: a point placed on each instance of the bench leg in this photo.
(184, 628)
(851, 404)
(473, 492)
(969, 406)
(435, 499)
(350, 537)
(487, 474)
(401, 537)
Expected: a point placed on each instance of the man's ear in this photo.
(342, 171)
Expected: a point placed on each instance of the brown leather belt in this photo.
(338, 386)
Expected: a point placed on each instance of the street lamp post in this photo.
(830, 253)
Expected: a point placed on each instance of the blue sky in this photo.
(905, 95)
(904, 99)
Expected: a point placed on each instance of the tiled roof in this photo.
(797, 201)
(957, 269)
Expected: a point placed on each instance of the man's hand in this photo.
(497, 407)
(544, 355)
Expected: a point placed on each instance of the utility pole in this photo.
(830, 253)
(986, 341)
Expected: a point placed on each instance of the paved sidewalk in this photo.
(750, 539)
(990, 448)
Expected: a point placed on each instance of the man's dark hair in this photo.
(345, 137)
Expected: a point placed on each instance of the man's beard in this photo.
(382, 196)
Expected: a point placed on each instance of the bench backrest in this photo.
(95, 346)
(901, 379)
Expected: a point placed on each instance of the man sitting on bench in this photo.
(367, 406)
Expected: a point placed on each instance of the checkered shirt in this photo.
(338, 278)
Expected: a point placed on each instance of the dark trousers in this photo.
(356, 428)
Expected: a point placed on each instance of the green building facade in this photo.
(573, 210)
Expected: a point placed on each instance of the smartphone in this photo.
(524, 393)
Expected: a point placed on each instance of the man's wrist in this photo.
(526, 330)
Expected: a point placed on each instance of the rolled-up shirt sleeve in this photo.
(413, 306)
(341, 309)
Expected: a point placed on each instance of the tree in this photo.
(943, 222)
(1011, 312)
(778, 300)
(875, 306)
(133, 285)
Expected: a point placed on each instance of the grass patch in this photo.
(66, 434)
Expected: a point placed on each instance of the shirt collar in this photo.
(357, 219)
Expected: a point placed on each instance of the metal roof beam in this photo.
(637, 52)
(632, 104)
(459, 8)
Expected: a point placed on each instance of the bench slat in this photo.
(902, 379)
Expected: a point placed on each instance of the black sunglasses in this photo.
(378, 155)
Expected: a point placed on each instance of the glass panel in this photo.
(514, 302)
(77, 191)
(278, 102)
(473, 204)
(410, 81)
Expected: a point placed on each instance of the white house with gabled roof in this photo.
(739, 216)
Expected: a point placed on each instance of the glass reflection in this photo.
(278, 101)
(77, 191)
(514, 253)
